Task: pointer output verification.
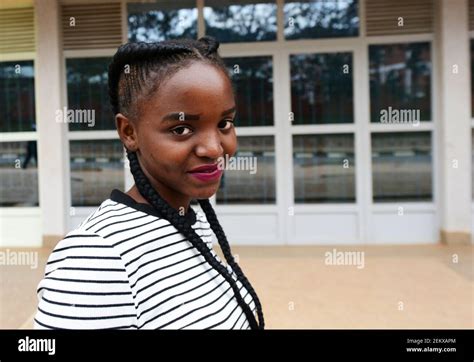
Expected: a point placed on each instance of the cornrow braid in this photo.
(136, 63)
(122, 69)
(148, 65)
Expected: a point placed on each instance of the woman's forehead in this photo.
(197, 76)
(197, 86)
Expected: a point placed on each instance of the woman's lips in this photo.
(205, 168)
(207, 176)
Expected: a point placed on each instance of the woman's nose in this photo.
(210, 146)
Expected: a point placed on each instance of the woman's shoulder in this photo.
(83, 245)
(83, 248)
(105, 210)
(85, 285)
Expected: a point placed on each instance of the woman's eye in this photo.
(180, 131)
(226, 124)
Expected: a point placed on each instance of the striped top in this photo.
(125, 267)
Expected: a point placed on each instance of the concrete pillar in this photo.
(53, 150)
(453, 117)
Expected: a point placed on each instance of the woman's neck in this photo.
(135, 194)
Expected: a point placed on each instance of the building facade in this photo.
(356, 113)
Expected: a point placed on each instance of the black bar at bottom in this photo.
(312, 345)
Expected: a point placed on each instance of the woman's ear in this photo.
(127, 132)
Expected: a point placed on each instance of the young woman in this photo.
(144, 258)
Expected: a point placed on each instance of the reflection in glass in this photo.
(87, 91)
(401, 166)
(307, 19)
(400, 78)
(323, 167)
(165, 20)
(17, 97)
(96, 169)
(321, 88)
(232, 21)
(18, 174)
(252, 181)
(252, 78)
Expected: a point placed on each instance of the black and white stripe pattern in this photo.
(124, 267)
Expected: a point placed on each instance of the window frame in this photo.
(428, 125)
(89, 135)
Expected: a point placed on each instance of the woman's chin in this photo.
(205, 193)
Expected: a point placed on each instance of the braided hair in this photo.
(135, 74)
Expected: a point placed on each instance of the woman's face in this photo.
(187, 123)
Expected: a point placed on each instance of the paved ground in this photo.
(398, 287)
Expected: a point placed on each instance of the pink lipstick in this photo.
(206, 172)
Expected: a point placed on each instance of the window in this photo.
(96, 164)
(87, 92)
(19, 158)
(17, 97)
(252, 78)
(402, 167)
(400, 92)
(321, 19)
(96, 169)
(321, 88)
(322, 94)
(161, 21)
(251, 179)
(19, 174)
(234, 21)
(400, 80)
(324, 168)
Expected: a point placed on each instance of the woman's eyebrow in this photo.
(181, 116)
